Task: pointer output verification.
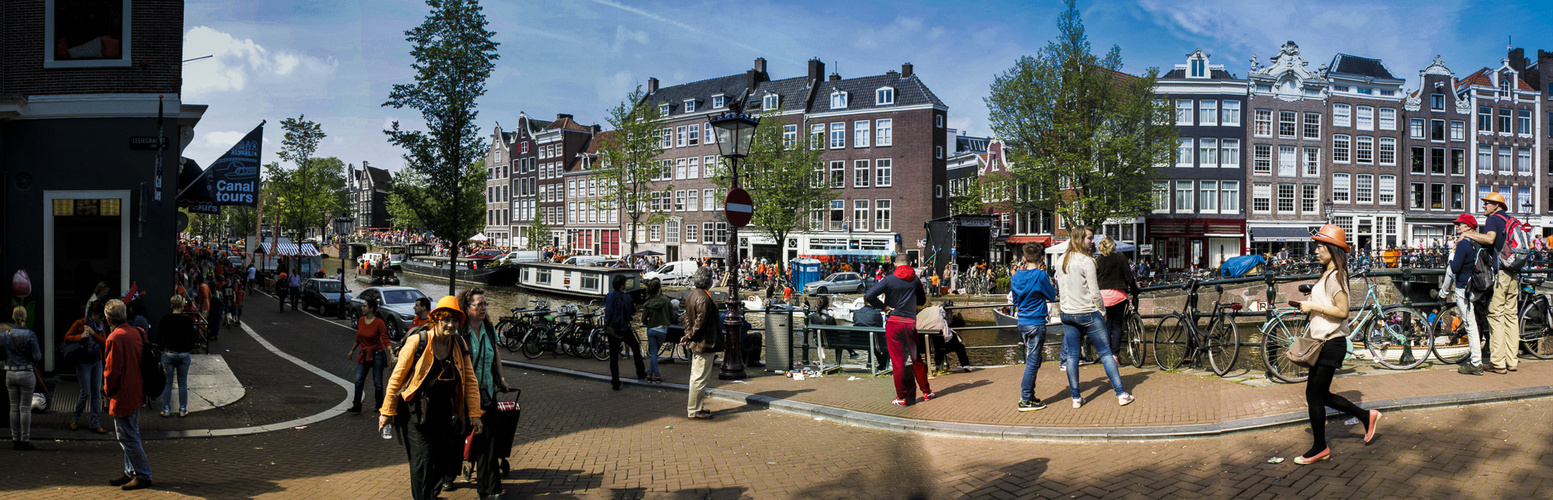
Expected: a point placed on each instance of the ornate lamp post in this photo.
(342, 226)
(734, 132)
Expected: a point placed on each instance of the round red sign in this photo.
(738, 207)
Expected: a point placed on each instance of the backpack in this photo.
(1481, 270)
(1517, 244)
(152, 377)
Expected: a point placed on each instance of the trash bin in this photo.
(779, 340)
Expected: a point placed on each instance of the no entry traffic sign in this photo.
(738, 207)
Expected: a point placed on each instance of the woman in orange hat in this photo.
(434, 394)
(1328, 310)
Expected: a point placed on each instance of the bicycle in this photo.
(1389, 333)
(1535, 319)
(1221, 344)
(1132, 333)
(510, 329)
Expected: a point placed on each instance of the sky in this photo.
(334, 62)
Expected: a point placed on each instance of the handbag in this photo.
(1304, 351)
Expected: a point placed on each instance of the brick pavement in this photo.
(578, 439)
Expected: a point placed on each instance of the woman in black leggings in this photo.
(1328, 310)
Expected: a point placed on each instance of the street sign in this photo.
(147, 143)
(738, 207)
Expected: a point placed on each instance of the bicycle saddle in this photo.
(1534, 280)
(1305, 288)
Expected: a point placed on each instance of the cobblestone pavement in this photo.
(580, 439)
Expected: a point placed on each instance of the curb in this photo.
(1067, 434)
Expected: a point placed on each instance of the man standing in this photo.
(252, 271)
(700, 340)
(1033, 288)
(121, 382)
(1462, 262)
(296, 289)
(902, 292)
(1502, 345)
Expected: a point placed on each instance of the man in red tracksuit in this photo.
(902, 293)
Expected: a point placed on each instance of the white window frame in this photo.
(1262, 123)
(884, 96)
(1415, 128)
(1523, 161)
(690, 105)
(860, 211)
(126, 54)
(695, 135)
(1386, 118)
(882, 216)
(770, 102)
(1229, 197)
(884, 172)
(1342, 115)
(1342, 148)
(1161, 197)
(862, 173)
(1262, 192)
(1364, 118)
(679, 136)
(860, 133)
(816, 136)
(1186, 150)
(1364, 189)
(838, 135)
(1310, 161)
(838, 100)
(1386, 190)
(789, 136)
(1231, 113)
(1310, 194)
(1382, 146)
(1185, 194)
(1208, 152)
(1229, 153)
(1259, 160)
(1208, 112)
(1288, 160)
(1185, 113)
(1207, 196)
(1342, 188)
(884, 131)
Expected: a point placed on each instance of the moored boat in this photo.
(578, 281)
(471, 271)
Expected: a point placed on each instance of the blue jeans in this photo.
(89, 374)
(1075, 327)
(375, 366)
(1034, 338)
(655, 339)
(175, 363)
(128, 431)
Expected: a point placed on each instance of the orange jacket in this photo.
(78, 329)
(406, 379)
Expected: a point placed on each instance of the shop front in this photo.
(1180, 244)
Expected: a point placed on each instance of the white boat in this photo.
(578, 281)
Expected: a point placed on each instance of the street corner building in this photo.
(90, 170)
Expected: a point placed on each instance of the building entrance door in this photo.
(87, 248)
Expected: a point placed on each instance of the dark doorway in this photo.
(87, 250)
(768, 252)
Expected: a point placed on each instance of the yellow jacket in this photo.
(400, 389)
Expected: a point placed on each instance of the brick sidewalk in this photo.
(988, 396)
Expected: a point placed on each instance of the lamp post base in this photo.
(733, 356)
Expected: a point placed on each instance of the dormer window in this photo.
(1199, 68)
(838, 100)
(690, 105)
(1504, 83)
(884, 96)
(770, 102)
(718, 101)
(663, 109)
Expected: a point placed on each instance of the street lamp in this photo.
(734, 131)
(342, 225)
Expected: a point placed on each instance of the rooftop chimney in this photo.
(562, 116)
(835, 77)
(760, 64)
(1518, 60)
(652, 85)
(816, 70)
(906, 70)
(596, 129)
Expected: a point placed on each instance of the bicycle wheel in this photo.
(1087, 351)
(1132, 328)
(505, 337)
(1223, 346)
(1400, 338)
(533, 343)
(1450, 337)
(1536, 331)
(1170, 342)
(598, 343)
(1277, 335)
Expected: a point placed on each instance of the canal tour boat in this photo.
(477, 271)
(578, 281)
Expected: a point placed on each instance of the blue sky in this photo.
(334, 61)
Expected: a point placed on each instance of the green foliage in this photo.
(779, 178)
(970, 200)
(1084, 136)
(454, 54)
(538, 234)
(626, 154)
(400, 214)
(309, 196)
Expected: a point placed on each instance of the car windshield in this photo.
(329, 286)
(401, 296)
(836, 277)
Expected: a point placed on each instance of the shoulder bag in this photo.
(1304, 351)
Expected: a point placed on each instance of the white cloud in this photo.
(208, 146)
(623, 35)
(1404, 38)
(235, 62)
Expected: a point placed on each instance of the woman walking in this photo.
(657, 315)
(434, 394)
(21, 351)
(1083, 315)
(1328, 310)
(1116, 279)
(370, 350)
(177, 336)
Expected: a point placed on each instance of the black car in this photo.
(323, 295)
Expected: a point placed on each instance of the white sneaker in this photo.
(1077, 402)
(1125, 399)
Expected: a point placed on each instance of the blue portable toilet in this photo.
(804, 270)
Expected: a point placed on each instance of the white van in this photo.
(677, 272)
(585, 260)
(517, 256)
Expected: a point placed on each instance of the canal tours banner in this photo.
(235, 176)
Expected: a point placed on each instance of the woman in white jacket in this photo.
(1083, 313)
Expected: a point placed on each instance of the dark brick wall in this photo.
(156, 48)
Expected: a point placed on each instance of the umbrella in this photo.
(479, 237)
(646, 253)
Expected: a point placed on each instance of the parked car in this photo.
(396, 304)
(323, 295)
(585, 260)
(676, 273)
(518, 256)
(836, 283)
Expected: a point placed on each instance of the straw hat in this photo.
(1334, 234)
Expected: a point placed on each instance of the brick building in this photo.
(1435, 179)
(499, 192)
(1504, 138)
(1198, 217)
(1287, 170)
(1364, 133)
(526, 178)
(79, 205)
(592, 221)
(369, 188)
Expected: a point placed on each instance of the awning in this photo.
(1279, 234)
(288, 250)
(868, 253)
(1044, 240)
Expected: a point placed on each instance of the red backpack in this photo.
(1517, 244)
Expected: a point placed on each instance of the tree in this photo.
(779, 176)
(538, 234)
(454, 55)
(968, 200)
(627, 154)
(400, 215)
(1084, 136)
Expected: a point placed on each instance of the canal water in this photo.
(984, 345)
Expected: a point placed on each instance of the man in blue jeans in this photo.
(1032, 288)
